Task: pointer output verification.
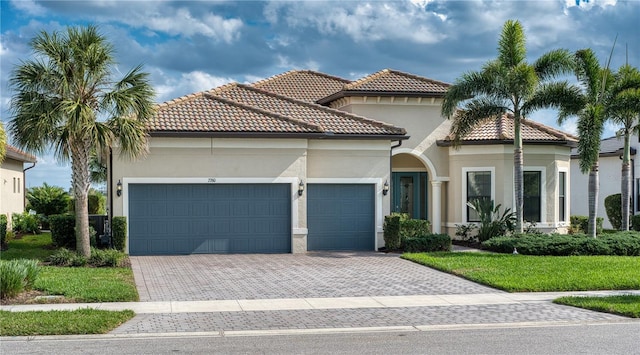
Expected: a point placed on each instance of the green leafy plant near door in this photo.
(492, 222)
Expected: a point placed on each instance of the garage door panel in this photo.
(223, 218)
(341, 216)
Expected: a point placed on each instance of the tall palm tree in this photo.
(593, 91)
(624, 109)
(3, 141)
(508, 84)
(66, 98)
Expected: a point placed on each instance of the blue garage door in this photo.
(341, 217)
(167, 219)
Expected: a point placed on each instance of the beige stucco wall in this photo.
(211, 160)
(550, 160)
(11, 187)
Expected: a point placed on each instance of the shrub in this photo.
(62, 257)
(25, 222)
(621, 243)
(427, 243)
(3, 231)
(47, 200)
(635, 222)
(465, 232)
(410, 228)
(63, 230)
(391, 230)
(107, 257)
(17, 276)
(119, 232)
(613, 207)
(492, 223)
(579, 224)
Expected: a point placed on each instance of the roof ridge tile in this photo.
(294, 71)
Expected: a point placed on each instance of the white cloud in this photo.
(187, 83)
(184, 23)
(29, 6)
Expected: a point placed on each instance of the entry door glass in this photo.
(409, 194)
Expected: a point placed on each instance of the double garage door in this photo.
(168, 219)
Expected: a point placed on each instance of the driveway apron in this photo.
(261, 276)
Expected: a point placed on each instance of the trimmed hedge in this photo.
(579, 224)
(391, 229)
(63, 230)
(411, 228)
(426, 243)
(119, 232)
(635, 222)
(3, 230)
(621, 243)
(613, 207)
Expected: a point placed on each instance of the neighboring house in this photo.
(306, 161)
(12, 181)
(610, 175)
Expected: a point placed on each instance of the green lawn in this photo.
(37, 246)
(524, 273)
(83, 284)
(82, 321)
(627, 305)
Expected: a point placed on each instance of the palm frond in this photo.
(567, 98)
(589, 72)
(512, 44)
(554, 63)
(476, 111)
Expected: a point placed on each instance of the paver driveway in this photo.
(256, 276)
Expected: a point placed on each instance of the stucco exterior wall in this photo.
(498, 159)
(11, 187)
(225, 160)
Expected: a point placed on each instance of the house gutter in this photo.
(24, 184)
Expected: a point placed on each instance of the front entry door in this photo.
(410, 194)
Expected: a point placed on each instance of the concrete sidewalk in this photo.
(286, 304)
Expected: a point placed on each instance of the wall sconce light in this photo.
(119, 188)
(300, 188)
(385, 188)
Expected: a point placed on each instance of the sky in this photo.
(191, 46)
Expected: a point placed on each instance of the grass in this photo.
(30, 246)
(624, 305)
(81, 321)
(82, 284)
(524, 273)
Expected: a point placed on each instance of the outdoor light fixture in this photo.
(300, 188)
(385, 188)
(119, 188)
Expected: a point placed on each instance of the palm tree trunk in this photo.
(594, 187)
(625, 189)
(518, 162)
(80, 173)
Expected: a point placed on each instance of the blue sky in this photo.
(190, 46)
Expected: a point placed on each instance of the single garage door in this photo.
(167, 219)
(341, 216)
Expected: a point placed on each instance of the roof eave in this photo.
(305, 135)
(348, 93)
(449, 143)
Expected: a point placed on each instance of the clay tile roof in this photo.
(244, 108)
(501, 129)
(305, 85)
(17, 154)
(388, 80)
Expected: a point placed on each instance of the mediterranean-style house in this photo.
(306, 161)
(610, 176)
(12, 181)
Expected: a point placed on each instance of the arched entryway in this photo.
(410, 186)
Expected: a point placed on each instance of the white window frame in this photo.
(465, 170)
(543, 191)
(566, 196)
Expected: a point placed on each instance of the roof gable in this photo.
(388, 80)
(305, 85)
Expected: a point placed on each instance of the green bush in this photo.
(47, 200)
(17, 276)
(63, 230)
(579, 224)
(410, 228)
(635, 222)
(66, 257)
(426, 243)
(119, 232)
(106, 257)
(613, 207)
(621, 243)
(25, 222)
(3, 231)
(492, 222)
(391, 230)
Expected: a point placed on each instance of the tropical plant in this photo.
(47, 200)
(591, 97)
(492, 222)
(3, 142)
(67, 98)
(508, 84)
(624, 109)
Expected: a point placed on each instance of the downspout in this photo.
(391, 174)
(24, 185)
(110, 187)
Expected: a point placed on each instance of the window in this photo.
(532, 207)
(562, 196)
(14, 186)
(18, 185)
(478, 188)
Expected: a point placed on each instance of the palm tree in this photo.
(508, 84)
(624, 109)
(595, 82)
(3, 141)
(66, 98)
